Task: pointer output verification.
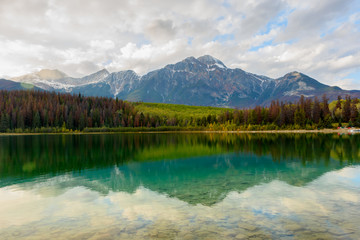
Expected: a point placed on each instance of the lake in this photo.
(180, 186)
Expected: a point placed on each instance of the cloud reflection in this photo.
(328, 206)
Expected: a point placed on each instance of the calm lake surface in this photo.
(180, 186)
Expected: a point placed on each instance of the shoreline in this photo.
(300, 131)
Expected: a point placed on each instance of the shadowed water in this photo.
(180, 186)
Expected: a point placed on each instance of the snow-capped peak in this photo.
(211, 61)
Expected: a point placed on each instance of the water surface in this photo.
(180, 186)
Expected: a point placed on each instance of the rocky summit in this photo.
(203, 81)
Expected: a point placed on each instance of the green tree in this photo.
(353, 112)
(346, 111)
(142, 119)
(70, 121)
(357, 122)
(327, 121)
(4, 122)
(20, 121)
(338, 103)
(82, 122)
(325, 106)
(36, 120)
(299, 117)
(316, 111)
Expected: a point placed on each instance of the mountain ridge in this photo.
(202, 81)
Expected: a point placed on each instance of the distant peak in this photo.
(104, 70)
(51, 74)
(294, 73)
(295, 76)
(124, 72)
(50, 71)
(101, 73)
(210, 60)
(190, 59)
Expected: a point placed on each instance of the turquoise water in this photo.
(180, 186)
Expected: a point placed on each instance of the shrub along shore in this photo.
(156, 130)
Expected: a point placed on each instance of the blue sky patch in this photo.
(107, 62)
(190, 39)
(224, 38)
(226, 4)
(264, 44)
(276, 22)
(354, 75)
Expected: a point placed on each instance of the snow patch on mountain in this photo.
(297, 93)
(211, 62)
(304, 87)
(55, 79)
(122, 81)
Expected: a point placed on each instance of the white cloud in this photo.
(81, 37)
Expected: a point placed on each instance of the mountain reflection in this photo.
(327, 208)
(196, 168)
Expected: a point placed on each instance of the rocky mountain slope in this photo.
(204, 81)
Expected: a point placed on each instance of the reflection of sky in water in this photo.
(328, 207)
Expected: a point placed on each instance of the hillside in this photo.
(180, 111)
(10, 85)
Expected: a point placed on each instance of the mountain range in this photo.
(203, 81)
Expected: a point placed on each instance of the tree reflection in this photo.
(26, 156)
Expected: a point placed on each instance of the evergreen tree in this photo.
(70, 121)
(299, 117)
(357, 122)
(82, 122)
(327, 123)
(354, 113)
(4, 122)
(338, 103)
(316, 111)
(36, 120)
(20, 121)
(325, 106)
(346, 111)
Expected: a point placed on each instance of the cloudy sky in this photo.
(269, 37)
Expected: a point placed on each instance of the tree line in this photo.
(305, 113)
(23, 110)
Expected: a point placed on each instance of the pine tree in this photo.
(299, 117)
(70, 121)
(36, 120)
(353, 112)
(20, 121)
(4, 122)
(316, 111)
(346, 111)
(338, 103)
(82, 122)
(325, 106)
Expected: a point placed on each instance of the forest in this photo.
(40, 111)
